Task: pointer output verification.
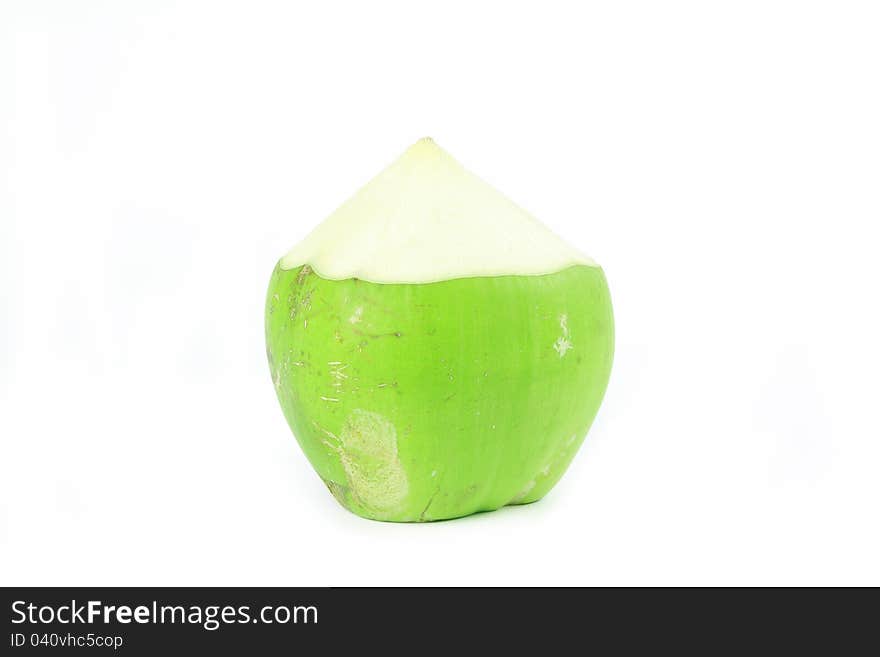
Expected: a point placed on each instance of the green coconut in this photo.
(435, 349)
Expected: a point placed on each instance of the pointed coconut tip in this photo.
(424, 149)
(423, 152)
(425, 142)
(424, 219)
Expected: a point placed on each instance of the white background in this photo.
(720, 160)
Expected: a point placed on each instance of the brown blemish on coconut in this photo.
(367, 450)
(303, 274)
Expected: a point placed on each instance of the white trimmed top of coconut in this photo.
(425, 219)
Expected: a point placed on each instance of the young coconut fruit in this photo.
(435, 349)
